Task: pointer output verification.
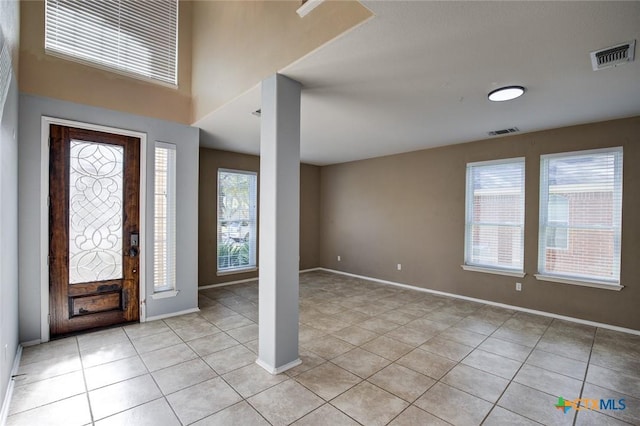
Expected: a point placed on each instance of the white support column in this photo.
(279, 224)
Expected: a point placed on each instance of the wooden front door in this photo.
(94, 183)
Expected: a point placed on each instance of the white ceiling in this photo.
(417, 76)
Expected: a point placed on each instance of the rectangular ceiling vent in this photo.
(503, 131)
(613, 56)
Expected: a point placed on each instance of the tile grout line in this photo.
(164, 397)
(495, 404)
(138, 355)
(243, 399)
(516, 373)
(331, 405)
(477, 347)
(586, 372)
(418, 347)
(329, 402)
(437, 380)
(200, 357)
(333, 292)
(523, 364)
(84, 379)
(362, 380)
(584, 381)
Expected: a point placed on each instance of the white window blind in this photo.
(237, 199)
(581, 215)
(137, 37)
(6, 71)
(557, 219)
(495, 214)
(164, 218)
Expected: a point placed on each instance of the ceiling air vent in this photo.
(613, 56)
(503, 131)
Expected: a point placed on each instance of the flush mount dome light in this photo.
(506, 93)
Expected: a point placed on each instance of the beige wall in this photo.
(50, 76)
(236, 44)
(210, 161)
(410, 209)
(229, 45)
(309, 216)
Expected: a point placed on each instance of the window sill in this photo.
(236, 271)
(594, 284)
(493, 271)
(165, 294)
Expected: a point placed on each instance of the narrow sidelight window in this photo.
(164, 220)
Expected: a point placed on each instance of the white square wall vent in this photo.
(613, 56)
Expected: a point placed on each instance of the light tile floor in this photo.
(372, 355)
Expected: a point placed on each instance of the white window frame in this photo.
(575, 279)
(110, 60)
(169, 288)
(488, 268)
(252, 266)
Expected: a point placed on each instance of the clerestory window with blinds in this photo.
(581, 216)
(138, 38)
(237, 200)
(494, 231)
(164, 218)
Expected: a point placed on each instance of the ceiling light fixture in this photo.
(308, 6)
(506, 93)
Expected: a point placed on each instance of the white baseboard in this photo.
(172, 314)
(6, 402)
(281, 369)
(204, 287)
(31, 343)
(489, 302)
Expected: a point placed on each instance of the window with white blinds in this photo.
(131, 36)
(581, 215)
(164, 218)
(237, 199)
(494, 232)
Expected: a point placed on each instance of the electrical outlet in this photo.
(518, 286)
(399, 267)
(339, 259)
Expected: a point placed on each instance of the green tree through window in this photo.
(236, 220)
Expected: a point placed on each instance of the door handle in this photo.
(134, 243)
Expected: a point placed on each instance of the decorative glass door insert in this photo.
(95, 212)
